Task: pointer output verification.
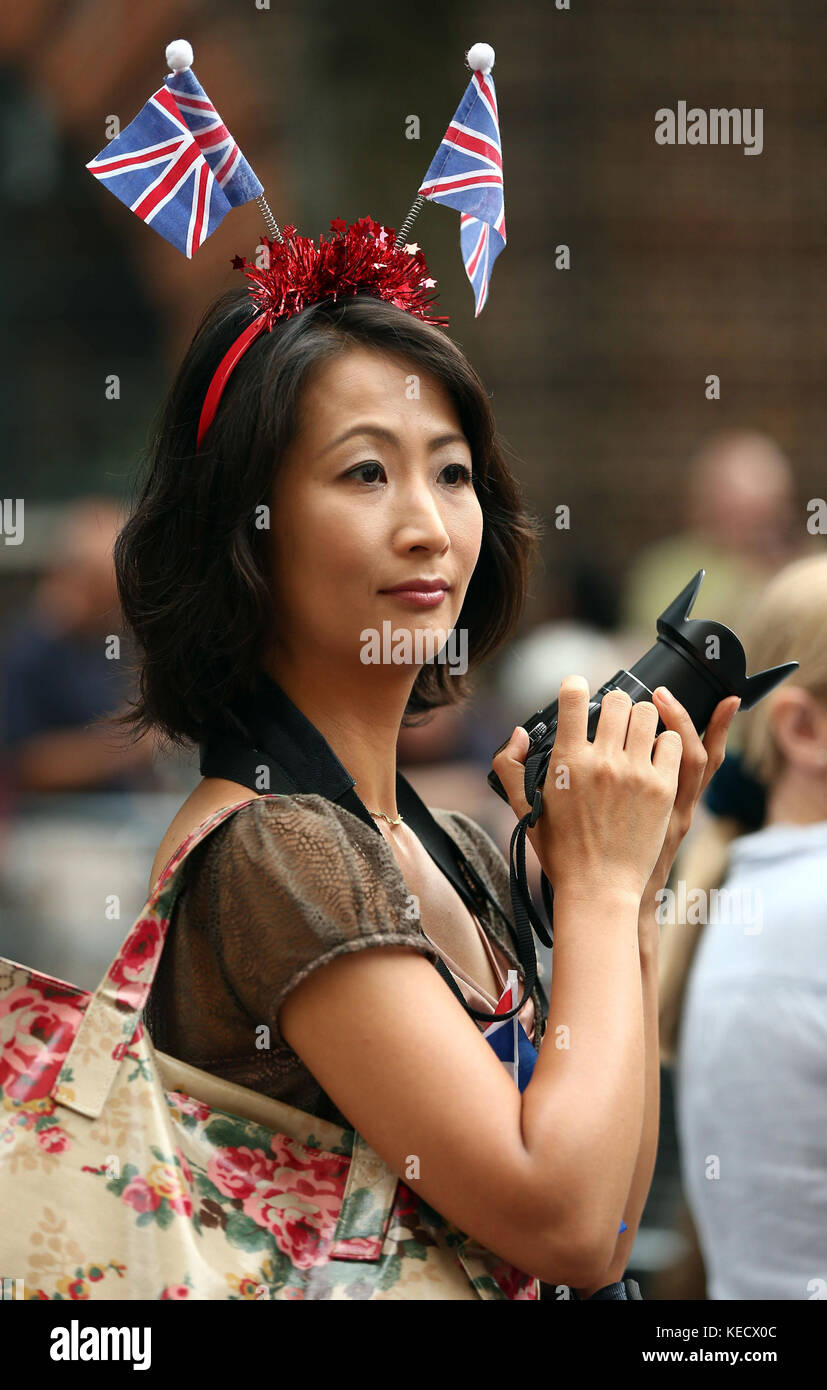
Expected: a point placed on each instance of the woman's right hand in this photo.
(606, 804)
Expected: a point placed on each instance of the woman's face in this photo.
(373, 491)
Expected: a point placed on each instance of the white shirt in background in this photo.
(751, 1073)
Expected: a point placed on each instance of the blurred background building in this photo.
(685, 263)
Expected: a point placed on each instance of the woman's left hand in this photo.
(699, 763)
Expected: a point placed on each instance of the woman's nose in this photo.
(420, 513)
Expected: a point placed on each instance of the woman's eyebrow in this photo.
(381, 432)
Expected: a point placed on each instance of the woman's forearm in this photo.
(647, 1154)
(584, 1105)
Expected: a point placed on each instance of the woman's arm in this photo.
(541, 1178)
(595, 1017)
(647, 1153)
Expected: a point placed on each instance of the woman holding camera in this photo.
(294, 910)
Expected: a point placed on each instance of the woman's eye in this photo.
(464, 472)
(361, 466)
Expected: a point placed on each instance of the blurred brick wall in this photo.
(686, 260)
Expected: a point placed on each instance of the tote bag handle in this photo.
(114, 1010)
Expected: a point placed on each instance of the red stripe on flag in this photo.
(203, 105)
(474, 258)
(125, 161)
(447, 183)
(202, 176)
(226, 165)
(165, 98)
(477, 144)
(155, 195)
(212, 137)
(486, 89)
(506, 1003)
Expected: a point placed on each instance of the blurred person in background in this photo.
(56, 675)
(743, 1002)
(739, 526)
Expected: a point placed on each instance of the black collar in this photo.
(282, 738)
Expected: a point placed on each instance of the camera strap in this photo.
(524, 912)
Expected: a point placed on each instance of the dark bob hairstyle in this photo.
(191, 563)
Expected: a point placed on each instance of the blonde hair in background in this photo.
(788, 623)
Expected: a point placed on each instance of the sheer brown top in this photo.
(281, 887)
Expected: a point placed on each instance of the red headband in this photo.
(358, 258)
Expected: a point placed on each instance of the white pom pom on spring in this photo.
(179, 55)
(480, 57)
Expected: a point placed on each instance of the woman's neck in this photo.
(359, 719)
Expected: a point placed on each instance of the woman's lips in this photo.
(420, 598)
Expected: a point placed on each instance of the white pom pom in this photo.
(179, 55)
(480, 57)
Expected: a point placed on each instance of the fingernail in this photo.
(664, 694)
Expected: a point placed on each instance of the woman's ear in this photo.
(799, 725)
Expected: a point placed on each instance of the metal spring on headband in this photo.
(402, 234)
(272, 225)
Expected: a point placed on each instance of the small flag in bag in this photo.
(509, 1038)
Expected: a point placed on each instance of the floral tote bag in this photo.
(126, 1174)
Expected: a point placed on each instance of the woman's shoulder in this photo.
(258, 818)
(299, 846)
(308, 819)
(301, 821)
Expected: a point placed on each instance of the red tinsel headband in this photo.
(362, 258)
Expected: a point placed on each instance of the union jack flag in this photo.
(510, 1042)
(509, 1038)
(176, 166)
(466, 173)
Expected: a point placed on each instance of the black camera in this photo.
(700, 662)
